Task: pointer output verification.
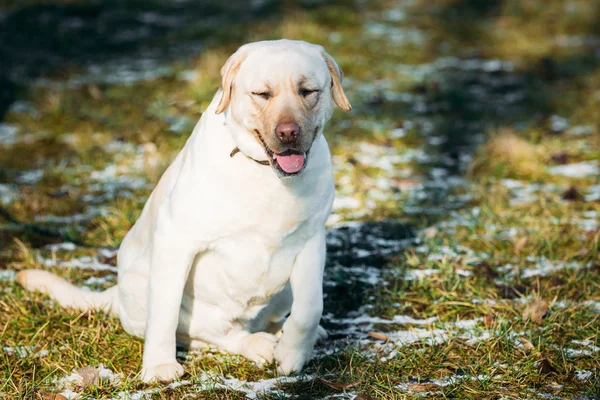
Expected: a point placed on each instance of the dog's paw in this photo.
(291, 359)
(259, 347)
(321, 334)
(162, 372)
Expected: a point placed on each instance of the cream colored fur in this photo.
(225, 248)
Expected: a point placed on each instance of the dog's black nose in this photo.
(287, 132)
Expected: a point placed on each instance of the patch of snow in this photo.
(586, 343)
(19, 351)
(395, 35)
(24, 107)
(545, 267)
(66, 246)
(125, 72)
(189, 75)
(580, 130)
(8, 193)
(558, 123)
(31, 177)
(396, 320)
(7, 275)
(97, 281)
(430, 337)
(583, 375)
(8, 134)
(593, 193)
(576, 170)
(394, 15)
(89, 214)
(417, 274)
(81, 262)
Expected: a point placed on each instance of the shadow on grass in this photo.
(463, 100)
(46, 38)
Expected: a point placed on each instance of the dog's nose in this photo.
(288, 132)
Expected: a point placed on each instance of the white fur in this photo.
(224, 249)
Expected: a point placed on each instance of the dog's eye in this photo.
(263, 95)
(308, 92)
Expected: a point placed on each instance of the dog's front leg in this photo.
(300, 330)
(171, 260)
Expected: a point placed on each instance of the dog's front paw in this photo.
(162, 372)
(259, 347)
(291, 359)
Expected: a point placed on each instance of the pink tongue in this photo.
(291, 163)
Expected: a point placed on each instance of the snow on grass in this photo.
(395, 36)
(64, 246)
(525, 192)
(7, 275)
(593, 193)
(88, 215)
(30, 177)
(19, 351)
(580, 130)
(363, 319)
(86, 262)
(125, 72)
(543, 267)
(583, 375)
(8, 134)
(210, 381)
(8, 193)
(576, 170)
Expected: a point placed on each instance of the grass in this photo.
(491, 289)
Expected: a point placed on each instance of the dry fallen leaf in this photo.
(95, 92)
(379, 336)
(582, 253)
(520, 244)
(527, 344)
(90, 376)
(535, 311)
(363, 396)
(51, 396)
(423, 387)
(489, 320)
(338, 386)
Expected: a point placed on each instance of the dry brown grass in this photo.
(507, 155)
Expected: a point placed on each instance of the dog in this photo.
(230, 247)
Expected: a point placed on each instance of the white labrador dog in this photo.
(229, 244)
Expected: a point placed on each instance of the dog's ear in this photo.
(336, 82)
(228, 73)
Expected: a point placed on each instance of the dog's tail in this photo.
(66, 294)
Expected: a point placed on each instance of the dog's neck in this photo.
(243, 140)
(237, 150)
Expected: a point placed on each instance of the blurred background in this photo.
(470, 157)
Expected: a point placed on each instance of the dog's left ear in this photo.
(336, 82)
(228, 73)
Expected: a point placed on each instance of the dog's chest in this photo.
(240, 274)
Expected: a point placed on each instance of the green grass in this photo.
(476, 246)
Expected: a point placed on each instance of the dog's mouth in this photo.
(289, 162)
(286, 164)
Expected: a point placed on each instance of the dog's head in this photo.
(281, 94)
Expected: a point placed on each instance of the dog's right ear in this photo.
(228, 73)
